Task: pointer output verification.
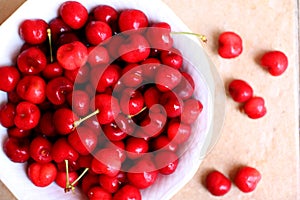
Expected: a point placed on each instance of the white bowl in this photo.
(209, 90)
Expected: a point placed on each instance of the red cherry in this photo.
(83, 140)
(97, 192)
(27, 115)
(74, 14)
(72, 55)
(163, 142)
(185, 89)
(136, 147)
(52, 70)
(172, 104)
(88, 181)
(58, 26)
(154, 124)
(79, 75)
(119, 147)
(61, 178)
(110, 184)
(125, 123)
(57, 90)
(16, 149)
(97, 31)
(276, 62)
(18, 133)
(178, 132)
(192, 108)
(132, 75)
(113, 132)
(151, 96)
(46, 125)
(33, 31)
(64, 120)
(84, 161)
(32, 89)
(7, 114)
(80, 102)
(31, 61)
(217, 184)
(159, 36)
(105, 13)
(255, 108)
(13, 97)
(40, 150)
(230, 45)
(131, 102)
(66, 38)
(149, 68)
(132, 19)
(62, 150)
(172, 58)
(98, 55)
(42, 174)
(167, 78)
(9, 77)
(134, 49)
(247, 179)
(128, 192)
(166, 161)
(240, 90)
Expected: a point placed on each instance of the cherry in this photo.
(134, 49)
(159, 36)
(185, 89)
(80, 102)
(79, 75)
(276, 62)
(149, 68)
(172, 104)
(132, 75)
(46, 125)
(151, 96)
(119, 147)
(66, 38)
(178, 132)
(57, 90)
(131, 102)
(98, 55)
(154, 124)
(132, 19)
(98, 192)
(75, 20)
(64, 120)
(18, 133)
(58, 26)
(167, 78)
(88, 181)
(113, 132)
(128, 192)
(52, 70)
(240, 90)
(16, 149)
(172, 58)
(42, 174)
(105, 13)
(40, 150)
(143, 174)
(62, 180)
(31, 61)
(217, 184)
(125, 123)
(191, 110)
(32, 88)
(166, 161)
(13, 97)
(27, 115)
(255, 108)
(72, 55)
(62, 150)
(7, 114)
(163, 142)
(247, 178)
(136, 147)
(9, 77)
(97, 31)
(83, 140)
(33, 31)
(230, 45)
(84, 161)
(110, 184)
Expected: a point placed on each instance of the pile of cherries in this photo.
(97, 100)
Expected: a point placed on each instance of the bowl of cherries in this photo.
(104, 100)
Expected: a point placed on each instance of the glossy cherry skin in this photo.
(88, 181)
(185, 89)
(80, 102)
(18, 133)
(62, 150)
(27, 115)
(159, 36)
(178, 132)
(7, 114)
(31, 61)
(110, 184)
(113, 132)
(132, 75)
(247, 179)
(52, 70)
(172, 58)
(276, 62)
(230, 45)
(240, 90)
(46, 125)
(217, 184)
(83, 140)
(151, 96)
(149, 67)
(128, 192)
(17, 149)
(131, 101)
(58, 26)
(163, 142)
(98, 192)
(33, 31)
(132, 19)
(97, 32)
(72, 55)
(136, 147)
(40, 150)
(42, 174)
(166, 161)
(75, 20)
(255, 108)
(98, 55)
(9, 78)
(57, 90)
(134, 49)
(153, 124)
(61, 179)
(125, 123)
(79, 75)
(32, 89)
(105, 13)
(172, 104)
(192, 108)
(64, 120)
(167, 78)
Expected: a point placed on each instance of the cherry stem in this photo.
(80, 176)
(67, 176)
(144, 108)
(203, 38)
(78, 122)
(50, 44)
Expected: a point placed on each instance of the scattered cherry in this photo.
(217, 184)
(255, 107)
(276, 62)
(240, 90)
(247, 178)
(230, 45)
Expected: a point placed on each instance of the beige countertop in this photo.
(270, 144)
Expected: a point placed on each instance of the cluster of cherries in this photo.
(97, 100)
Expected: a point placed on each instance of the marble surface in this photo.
(270, 144)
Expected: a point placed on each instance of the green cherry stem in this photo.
(50, 44)
(203, 38)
